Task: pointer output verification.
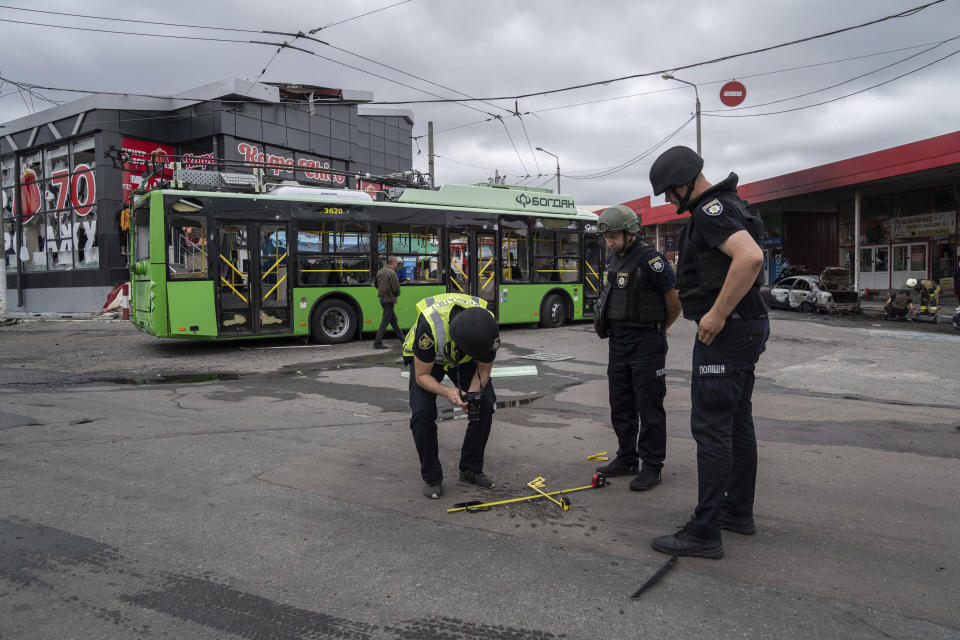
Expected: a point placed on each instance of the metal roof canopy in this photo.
(916, 165)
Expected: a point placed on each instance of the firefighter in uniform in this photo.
(455, 336)
(637, 302)
(899, 304)
(719, 262)
(929, 294)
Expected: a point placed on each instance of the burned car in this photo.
(829, 292)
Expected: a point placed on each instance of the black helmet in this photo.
(675, 167)
(475, 332)
(619, 217)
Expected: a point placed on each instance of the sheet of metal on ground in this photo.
(500, 372)
(547, 357)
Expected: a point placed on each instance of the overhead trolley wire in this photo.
(187, 26)
(835, 85)
(817, 104)
(609, 172)
(903, 14)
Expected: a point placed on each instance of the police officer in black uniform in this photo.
(637, 303)
(720, 260)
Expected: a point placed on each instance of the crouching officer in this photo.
(899, 304)
(637, 303)
(720, 259)
(454, 336)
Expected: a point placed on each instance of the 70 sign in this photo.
(82, 198)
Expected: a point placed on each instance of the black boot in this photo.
(648, 478)
(683, 543)
(618, 467)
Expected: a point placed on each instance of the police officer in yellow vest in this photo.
(455, 336)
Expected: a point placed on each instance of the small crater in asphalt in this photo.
(178, 379)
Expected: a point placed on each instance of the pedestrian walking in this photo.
(388, 289)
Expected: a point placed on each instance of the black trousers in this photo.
(423, 422)
(893, 311)
(721, 421)
(388, 318)
(637, 386)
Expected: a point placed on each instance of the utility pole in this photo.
(558, 166)
(3, 283)
(433, 177)
(669, 76)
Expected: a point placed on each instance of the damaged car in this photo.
(829, 292)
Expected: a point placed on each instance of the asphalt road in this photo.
(160, 489)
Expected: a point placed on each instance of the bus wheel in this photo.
(333, 322)
(553, 313)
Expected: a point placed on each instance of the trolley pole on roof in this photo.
(433, 178)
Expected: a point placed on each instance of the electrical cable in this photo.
(187, 26)
(505, 128)
(529, 144)
(817, 104)
(903, 14)
(333, 24)
(833, 86)
(609, 172)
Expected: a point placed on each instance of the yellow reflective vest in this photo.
(436, 311)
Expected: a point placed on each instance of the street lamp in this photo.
(668, 76)
(558, 166)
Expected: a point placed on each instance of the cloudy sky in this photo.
(498, 48)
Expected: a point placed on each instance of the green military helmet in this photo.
(619, 217)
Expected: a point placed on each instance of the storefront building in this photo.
(887, 216)
(64, 193)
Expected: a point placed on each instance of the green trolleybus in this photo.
(300, 261)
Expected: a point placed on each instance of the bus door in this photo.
(472, 260)
(593, 245)
(274, 314)
(235, 312)
(253, 287)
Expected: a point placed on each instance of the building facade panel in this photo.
(65, 244)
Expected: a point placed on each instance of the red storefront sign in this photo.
(142, 157)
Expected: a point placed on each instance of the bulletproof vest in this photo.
(699, 287)
(901, 300)
(436, 311)
(631, 298)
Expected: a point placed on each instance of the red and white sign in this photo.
(313, 169)
(369, 187)
(76, 189)
(143, 155)
(733, 93)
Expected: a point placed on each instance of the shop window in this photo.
(901, 258)
(10, 244)
(417, 246)
(7, 181)
(918, 257)
(186, 247)
(333, 254)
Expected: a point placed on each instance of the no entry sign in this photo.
(733, 93)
